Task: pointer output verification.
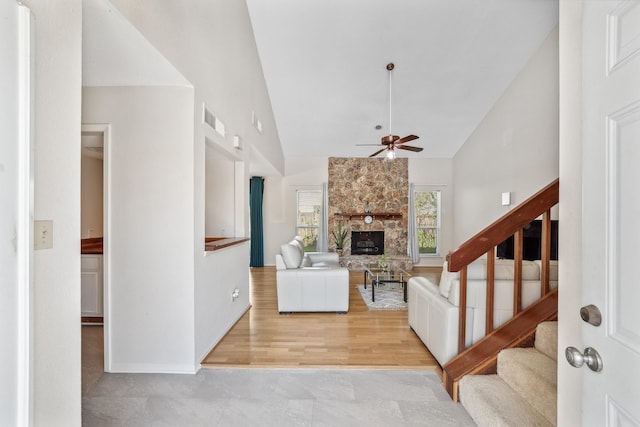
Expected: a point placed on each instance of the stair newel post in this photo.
(491, 265)
(518, 240)
(462, 310)
(545, 252)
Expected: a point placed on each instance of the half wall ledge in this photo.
(216, 243)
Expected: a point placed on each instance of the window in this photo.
(308, 217)
(427, 204)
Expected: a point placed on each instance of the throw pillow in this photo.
(291, 255)
(445, 280)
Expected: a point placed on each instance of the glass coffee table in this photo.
(379, 276)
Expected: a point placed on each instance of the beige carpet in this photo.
(524, 391)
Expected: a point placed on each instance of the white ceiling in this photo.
(324, 62)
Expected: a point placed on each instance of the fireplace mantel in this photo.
(350, 216)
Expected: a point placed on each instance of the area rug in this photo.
(386, 299)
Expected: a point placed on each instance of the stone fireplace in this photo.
(374, 187)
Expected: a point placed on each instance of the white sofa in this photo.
(433, 309)
(311, 281)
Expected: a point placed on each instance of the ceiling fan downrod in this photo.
(390, 67)
(390, 142)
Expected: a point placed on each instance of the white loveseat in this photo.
(433, 309)
(311, 281)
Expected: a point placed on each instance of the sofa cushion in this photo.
(553, 269)
(291, 254)
(475, 270)
(323, 259)
(422, 284)
(503, 270)
(445, 280)
(298, 240)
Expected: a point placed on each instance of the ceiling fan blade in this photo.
(410, 148)
(406, 139)
(378, 152)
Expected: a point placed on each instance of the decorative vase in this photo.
(339, 251)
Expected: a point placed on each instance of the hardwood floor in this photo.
(361, 338)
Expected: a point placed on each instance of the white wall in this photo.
(219, 194)
(91, 196)
(56, 296)
(151, 230)
(430, 175)
(514, 148)
(218, 56)
(216, 312)
(279, 203)
(211, 43)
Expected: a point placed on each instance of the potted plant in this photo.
(383, 262)
(340, 236)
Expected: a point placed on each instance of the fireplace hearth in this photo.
(367, 242)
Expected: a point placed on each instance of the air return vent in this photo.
(213, 122)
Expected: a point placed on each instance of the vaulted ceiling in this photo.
(324, 62)
(325, 66)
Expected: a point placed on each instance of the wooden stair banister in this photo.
(517, 271)
(504, 227)
(545, 253)
(462, 312)
(485, 242)
(519, 331)
(491, 273)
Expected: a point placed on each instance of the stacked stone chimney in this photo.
(381, 184)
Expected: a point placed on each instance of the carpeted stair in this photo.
(524, 391)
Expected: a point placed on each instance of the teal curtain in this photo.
(256, 189)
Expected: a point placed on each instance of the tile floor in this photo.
(263, 397)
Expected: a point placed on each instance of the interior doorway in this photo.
(95, 219)
(91, 227)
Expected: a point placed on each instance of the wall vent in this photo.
(213, 122)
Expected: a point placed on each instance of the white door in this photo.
(611, 209)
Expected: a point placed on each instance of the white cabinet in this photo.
(91, 285)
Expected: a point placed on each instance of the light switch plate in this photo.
(506, 198)
(43, 234)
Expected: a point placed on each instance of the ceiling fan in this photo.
(391, 142)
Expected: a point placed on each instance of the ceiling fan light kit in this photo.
(391, 154)
(391, 142)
